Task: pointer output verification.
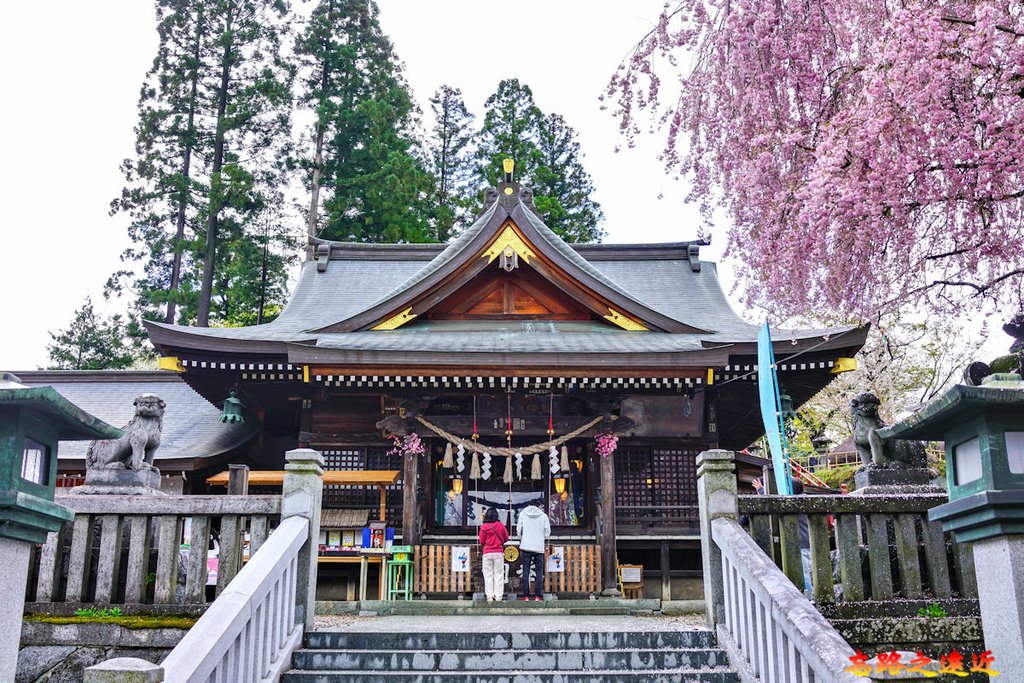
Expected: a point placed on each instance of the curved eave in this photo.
(433, 286)
(70, 422)
(307, 354)
(174, 336)
(842, 338)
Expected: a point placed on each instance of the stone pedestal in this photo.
(302, 494)
(999, 563)
(120, 482)
(13, 579)
(716, 494)
(877, 481)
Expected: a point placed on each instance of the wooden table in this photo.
(364, 560)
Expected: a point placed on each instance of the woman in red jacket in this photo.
(493, 535)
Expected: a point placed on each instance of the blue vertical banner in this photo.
(771, 410)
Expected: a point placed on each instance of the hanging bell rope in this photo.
(507, 478)
(505, 452)
(449, 460)
(474, 466)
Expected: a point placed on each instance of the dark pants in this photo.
(535, 561)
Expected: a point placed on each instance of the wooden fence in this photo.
(886, 546)
(126, 550)
(581, 571)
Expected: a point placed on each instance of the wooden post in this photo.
(666, 574)
(711, 411)
(609, 576)
(383, 502)
(410, 510)
(238, 480)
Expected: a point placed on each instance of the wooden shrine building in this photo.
(510, 329)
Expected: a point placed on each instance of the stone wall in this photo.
(59, 653)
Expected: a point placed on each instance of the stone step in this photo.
(596, 676)
(506, 660)
(507, 640)
(509, 609)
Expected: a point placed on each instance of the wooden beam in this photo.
(462, 370)
(331, 478)
(666, 575)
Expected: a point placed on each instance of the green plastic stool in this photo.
(400, 573)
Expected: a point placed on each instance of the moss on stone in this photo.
(125, 620)
(836, 476)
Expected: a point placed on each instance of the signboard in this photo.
(460, 558)
(631, 573)
(771, 410)
(556, 560)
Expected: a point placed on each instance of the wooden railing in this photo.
(677, 517)
(126, 550)
(886, 546)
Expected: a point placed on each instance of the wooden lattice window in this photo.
(656, 486)
(634, 495)
(362, 497)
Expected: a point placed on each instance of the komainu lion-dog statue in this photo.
(136, 448)
(873, 449)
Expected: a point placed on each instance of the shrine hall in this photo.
(514, 369)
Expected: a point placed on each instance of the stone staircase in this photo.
(501, 655)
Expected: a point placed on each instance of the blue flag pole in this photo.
(771, 410)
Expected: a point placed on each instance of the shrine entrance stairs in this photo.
(495, 648)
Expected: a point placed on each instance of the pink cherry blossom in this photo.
(867, 153)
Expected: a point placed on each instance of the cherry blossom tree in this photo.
(866, 152)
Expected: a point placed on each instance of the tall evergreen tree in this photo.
(91, 342)
(162, 195)
(366, 183)
(251, 102)
(562, 187)
(449, 152)
(214, 120)
(547, 159)
(511, 130)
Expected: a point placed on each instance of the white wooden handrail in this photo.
(770, 630)
(249, 632)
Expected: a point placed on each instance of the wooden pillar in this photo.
(609, 575)
(666, 574)
(711, 408)
(238, 480)
(410, 509)
(383, 502)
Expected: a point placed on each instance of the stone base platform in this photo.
(884, 481)
(120, 482)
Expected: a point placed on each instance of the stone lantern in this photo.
(983, 428)
(32, 421)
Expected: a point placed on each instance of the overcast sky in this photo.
(71, 72)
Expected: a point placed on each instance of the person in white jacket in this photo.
(533, 529)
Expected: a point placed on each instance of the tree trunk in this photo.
(206, 291)
(179, 232)
(318, 159)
